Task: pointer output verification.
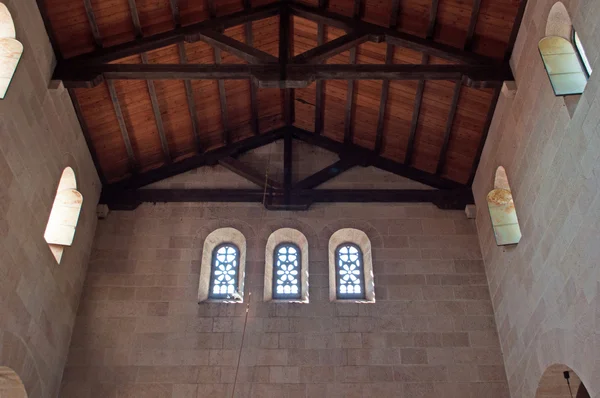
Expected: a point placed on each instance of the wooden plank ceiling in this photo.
(135, 125)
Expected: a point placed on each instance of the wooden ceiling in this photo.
(435, 127)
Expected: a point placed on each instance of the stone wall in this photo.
(39, 136)
(141, 333)
(545, 289)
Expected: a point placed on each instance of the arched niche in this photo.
(11, 49)
(62, 223)
(553, 383)
(11, 385)
(559, 22)
(502, 211)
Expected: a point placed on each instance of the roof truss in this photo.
(286, 72)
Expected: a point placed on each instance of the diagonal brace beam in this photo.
(235, 47)
(329, 49)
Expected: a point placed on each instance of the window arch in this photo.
(223, 266)
(11, 385)
(350, 266)
(563, 54)
(10, 50)
(502, 211)
(64, 215)
(286, 266)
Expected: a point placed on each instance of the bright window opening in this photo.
(286, 284)
(582, 54)
(64, 216)
(10, 50)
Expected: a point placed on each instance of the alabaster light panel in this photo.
(62, 223)
(10, 50)
(502, 211)
(563, 66)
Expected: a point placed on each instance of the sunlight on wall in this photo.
(10, 50)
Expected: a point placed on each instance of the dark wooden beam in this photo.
(385, 86)
(211, 157)
(253, 93)
(160, 127)
(135, 18)
(322, 52)
(285, 52)
(288, 155)
(319, 99)
(241, 50)
(326, 174)
(368, 157)
(486, 130)
(239, 168)
(350, 94)
(89, 10)
(515, 30)
(296, 76)
(212, 10)
(191, 101)
(133, 164)
(472, 24)
(449, 123)
(164, 39)
(299, 199)
(175, 12)
(86, 134)
(420, 87)
(391, 36)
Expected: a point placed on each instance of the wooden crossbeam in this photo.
(319, 99)
(253, 92)
(420, 87)
(164, 39)
(391, 36)
(133, 164)
(366, 157)
(296, 76)
(322, 52)
(325, 174)
(210, 157)
(89, 11)
(212, 10)
(385, 86)
(239, 168)
(234, 47)
(298, 199)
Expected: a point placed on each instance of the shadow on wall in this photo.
(560, 381)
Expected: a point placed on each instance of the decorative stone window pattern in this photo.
(62, 223)
(10, 50)
(563, 54)
(286, 266)
(502, 211)
(224, 272)
(351, 267)
(223, 267)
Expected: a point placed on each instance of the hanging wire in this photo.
(264, 201)
(567, 376)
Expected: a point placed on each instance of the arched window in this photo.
(64, 215)
(286, 266)
(349, 271)
(502, 211)
(10, 50)
(350, 267)
(223, 266)
(563, 55)
(224, 271)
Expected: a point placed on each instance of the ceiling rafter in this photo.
(319, 99)
(350, 92)
(253, 93)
